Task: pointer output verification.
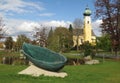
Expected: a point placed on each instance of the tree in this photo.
(104, 42)
(70, 36)
(2, 30)
(20, 40)
(109, 12)
(70, 28)
(61, 39)
(41, 36)
(9, 43)
(77, 24)
(34, 42)
(88, 49)
(54, 43)
(50, 39)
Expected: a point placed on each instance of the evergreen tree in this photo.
(50, 35)
(70, 36)
(50, 39)
(9, 43)
(70, 28)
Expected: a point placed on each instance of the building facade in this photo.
(85, 34)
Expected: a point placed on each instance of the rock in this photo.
(35, 71)
(92, 62)
(87, 58)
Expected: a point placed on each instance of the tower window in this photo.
(88, 22)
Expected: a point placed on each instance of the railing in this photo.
(103, 55)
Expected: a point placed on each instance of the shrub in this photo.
(88, 49)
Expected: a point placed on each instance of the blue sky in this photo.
(22, 15)
(66, 10)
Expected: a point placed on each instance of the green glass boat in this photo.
(43, 57)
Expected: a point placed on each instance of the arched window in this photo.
(88, 22)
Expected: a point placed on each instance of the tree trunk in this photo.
(116, 52)
(77, 44)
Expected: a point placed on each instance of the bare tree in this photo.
(41, 36)
(2, 30)
(77, 24)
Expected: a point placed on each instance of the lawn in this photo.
(73, 55)
(107, 72)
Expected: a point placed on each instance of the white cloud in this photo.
(19, 6)
(46, 14)
(57, 23)
(2, 14)
(17, 27)
(28, 26)
(96, 27)
(96, 24)
(20, 27)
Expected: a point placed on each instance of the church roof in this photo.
(81, 32)
(93, 34)
(78, 32)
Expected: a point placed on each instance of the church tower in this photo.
(87, 25)
(85, 34)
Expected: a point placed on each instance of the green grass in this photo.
(73, 54)
(107, 72)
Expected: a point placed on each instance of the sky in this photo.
(21, 16)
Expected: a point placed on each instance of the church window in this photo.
(88, 22)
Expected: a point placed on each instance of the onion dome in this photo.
(87, 12)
